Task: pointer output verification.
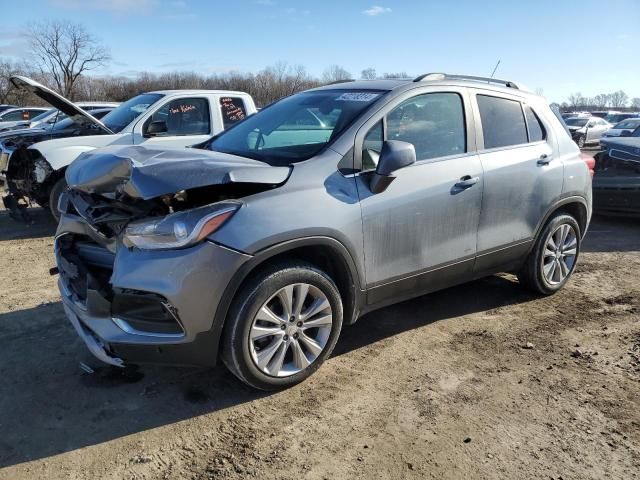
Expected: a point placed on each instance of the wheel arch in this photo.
(574, 206)
(326, 253)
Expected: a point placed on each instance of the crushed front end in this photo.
(132, 295)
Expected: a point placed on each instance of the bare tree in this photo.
(395, 75)
(368, 74)
(576, 99)
(335, 73)
(64, 51)
(11, 95)
(619, 99)
(635, 103)
(600, 101)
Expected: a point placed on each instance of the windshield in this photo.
(44, 115)
(616, 117)
(576, 122)
(628, 124)
(126, 113)
(296, 128)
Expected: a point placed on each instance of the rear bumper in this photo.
(189, 281)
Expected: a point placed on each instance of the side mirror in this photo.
(156, 128)
(394, 156)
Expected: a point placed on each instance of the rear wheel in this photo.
(554, 256)
(581, 141)
(54, 197)
(282, 326)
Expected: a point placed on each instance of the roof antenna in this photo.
(494, 69)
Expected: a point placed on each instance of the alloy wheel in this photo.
(559, 256)
(290, 330)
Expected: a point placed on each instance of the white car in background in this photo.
(168, 118)
(587, 130)
(53, 115)
(12, 117)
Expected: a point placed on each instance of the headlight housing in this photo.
(180, 229)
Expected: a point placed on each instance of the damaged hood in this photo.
(146, 173)
(56, 100)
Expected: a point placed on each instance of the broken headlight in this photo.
(181, 229)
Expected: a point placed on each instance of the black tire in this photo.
(250, 298)
(581, 141)
(54, 196)
(532, 274)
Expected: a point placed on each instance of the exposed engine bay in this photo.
(112, 187)
(29, 177)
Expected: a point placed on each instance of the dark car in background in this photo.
(618, 117)
(4, 107)
(616, 184)
(10, 141)
(624, 128)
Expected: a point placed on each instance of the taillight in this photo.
(590, 161)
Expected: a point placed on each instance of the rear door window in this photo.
(503, 122)
(233, 110)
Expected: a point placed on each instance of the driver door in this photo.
(420, 233)
(182, 122)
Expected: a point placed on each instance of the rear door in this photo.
(522, 177)
(420, 233)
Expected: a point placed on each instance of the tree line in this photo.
(616, 100)
(62, 53)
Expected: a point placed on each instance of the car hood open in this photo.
(146, 173)
(56, 100)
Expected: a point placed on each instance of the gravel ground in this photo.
(478, 381)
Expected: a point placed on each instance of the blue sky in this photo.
(559, 46)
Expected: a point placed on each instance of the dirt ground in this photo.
(479, 381)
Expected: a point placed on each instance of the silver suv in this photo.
(258, 245)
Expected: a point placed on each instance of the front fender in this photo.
(60, 157)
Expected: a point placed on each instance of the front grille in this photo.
(84, 265)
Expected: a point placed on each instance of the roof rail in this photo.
(344, 80)
(448, 76)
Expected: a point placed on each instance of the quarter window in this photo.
(502, 122)
(233, 111)
(185, 116)
(536, 130)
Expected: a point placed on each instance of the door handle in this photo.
(467, 181)
(545, 159)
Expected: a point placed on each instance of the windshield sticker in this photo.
(357, 97)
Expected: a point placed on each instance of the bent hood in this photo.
(56, 100)
(146, 173)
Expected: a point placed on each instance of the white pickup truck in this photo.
(168, 118)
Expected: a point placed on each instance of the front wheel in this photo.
(581, 141)
(54, 197)
(282, 326)
(554, 256)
